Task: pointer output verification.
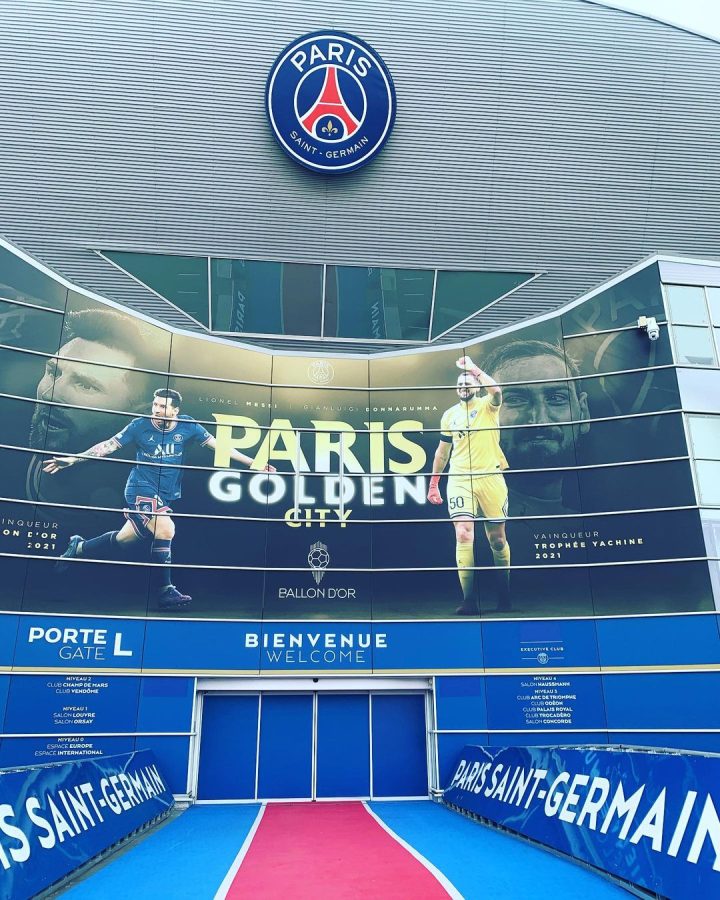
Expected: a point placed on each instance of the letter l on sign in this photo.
(117, 649)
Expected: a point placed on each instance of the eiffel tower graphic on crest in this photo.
(331, 109)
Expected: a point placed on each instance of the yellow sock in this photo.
(502, 557)
(465, 558)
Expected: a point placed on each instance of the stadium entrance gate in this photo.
(312, 739)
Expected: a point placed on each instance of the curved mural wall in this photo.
(298, 488)
(551, 581)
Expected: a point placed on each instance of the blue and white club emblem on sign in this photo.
(330, 101)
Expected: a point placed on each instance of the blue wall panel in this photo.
(343, 745)
(677, 700)
(228, 748)
(428, 646)
(705, 741)
(525, 708)
(4, 688)
(8, 635)
(165, 704)
(79, 643)
(37, 751)
(545, 701)
(533, 644)
(285, 766)
(172, 754)
(71, 704)
(460, 701)
(318, 646)
(449, 748)
(547, 739)
(200, 646)
(652, 641)
(398, 746)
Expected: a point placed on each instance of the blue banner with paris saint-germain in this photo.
(649, 817)
(55, 818)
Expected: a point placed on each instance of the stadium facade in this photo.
(544, 207)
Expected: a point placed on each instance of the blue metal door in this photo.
(399, 751)
(343, 745)
(228, 748)
(286, 747)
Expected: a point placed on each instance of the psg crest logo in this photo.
(320, 371)
(330, 101)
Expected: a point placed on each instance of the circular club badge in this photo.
(330, 101)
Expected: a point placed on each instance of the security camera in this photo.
(650, 326)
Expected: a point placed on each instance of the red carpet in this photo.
(328, 850)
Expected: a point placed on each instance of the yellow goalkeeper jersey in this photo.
(474, 430)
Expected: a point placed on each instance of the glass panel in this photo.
(234, 285)
(700, 389)
(31, 329)
(713, 296)
(654, 485)
(380, 304)
(694, 346)
(209, 358)
(648, 588)
(708, 478)
(255, 297)
(24, 374)
(90, 587)
(631, 392)
(619, 305)
(461, 294)
(630, 537)
(705, 435)
(593, 353)
(687, 304)
(21, 281)
(95, 332)
(183, 280)
(620, 440)
(710, 519)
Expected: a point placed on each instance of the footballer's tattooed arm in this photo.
(97, 451)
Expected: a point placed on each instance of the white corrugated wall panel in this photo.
(532, 135)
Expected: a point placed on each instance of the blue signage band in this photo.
(330, 102)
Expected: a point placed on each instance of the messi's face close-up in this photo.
(163, 409)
